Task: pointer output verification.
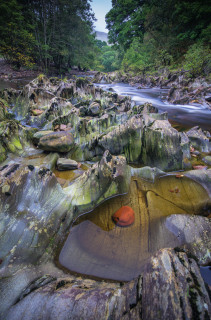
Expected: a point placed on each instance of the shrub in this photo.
(198, 60)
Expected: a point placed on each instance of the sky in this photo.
(100, 8)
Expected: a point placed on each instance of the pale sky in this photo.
(100, 8)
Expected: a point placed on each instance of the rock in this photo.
(126, 138)
(3, 109)
(83, 111)
(173, 288)
(65, 90)
(79, 299)
(191, 193)
(63, 127)
(193, 233)
(36, 208)
(202, 177)
(38, 135)
(200, 167)
(66, 164)
(109, 177)
(161, 146)
(14, 138)
(208, 98)
(207, 160)
(57, 141)
(94, 109)
(196, 153)
(124, 217)
(185, 144)
(56, 128)
(198, 139)
(37, 112)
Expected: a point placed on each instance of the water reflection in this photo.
(97, 247)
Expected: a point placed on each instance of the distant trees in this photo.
(47, 32)
(151, 34)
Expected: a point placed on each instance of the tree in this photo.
(16, 41)
(155, 33)
(125, 21)
(52, 32)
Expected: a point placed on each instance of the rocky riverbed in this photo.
(182, 89)
(68, 148)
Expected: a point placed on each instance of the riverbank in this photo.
(7, 72)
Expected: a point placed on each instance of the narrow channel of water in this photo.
(185, 115)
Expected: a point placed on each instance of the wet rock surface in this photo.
(78, 121)
(66, 164)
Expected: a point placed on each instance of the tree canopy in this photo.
(47, 32)
(151, 33)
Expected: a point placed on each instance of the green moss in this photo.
(76, 154)
(16, 142)
(2, 157)
(11, 147)
(81, 82)
(111, 191)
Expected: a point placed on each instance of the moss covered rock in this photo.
(57, 141)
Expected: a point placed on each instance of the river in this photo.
(181, 116)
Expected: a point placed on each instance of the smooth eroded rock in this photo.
(57, 141)
(66, 164)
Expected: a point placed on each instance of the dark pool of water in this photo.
(185, 115)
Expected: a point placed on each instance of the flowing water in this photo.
(97, 247)
(186, 116)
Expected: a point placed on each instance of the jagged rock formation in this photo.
(73, 119)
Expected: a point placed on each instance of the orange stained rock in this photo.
(124, 217)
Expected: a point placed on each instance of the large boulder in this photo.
(199, 139)
(162, 146)
(194, 233)
(78, 299)
(94, 109)
(13, 138)
(57, 141)
(126, 138)
(173, 288)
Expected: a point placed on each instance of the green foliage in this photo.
(49, 33)
(107, 58)
(156, 34)
(125, 21)
(16, 42)
(137, 57)
(198, 60)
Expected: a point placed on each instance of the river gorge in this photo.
(74, 152)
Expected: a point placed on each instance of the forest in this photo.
(144, 35)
